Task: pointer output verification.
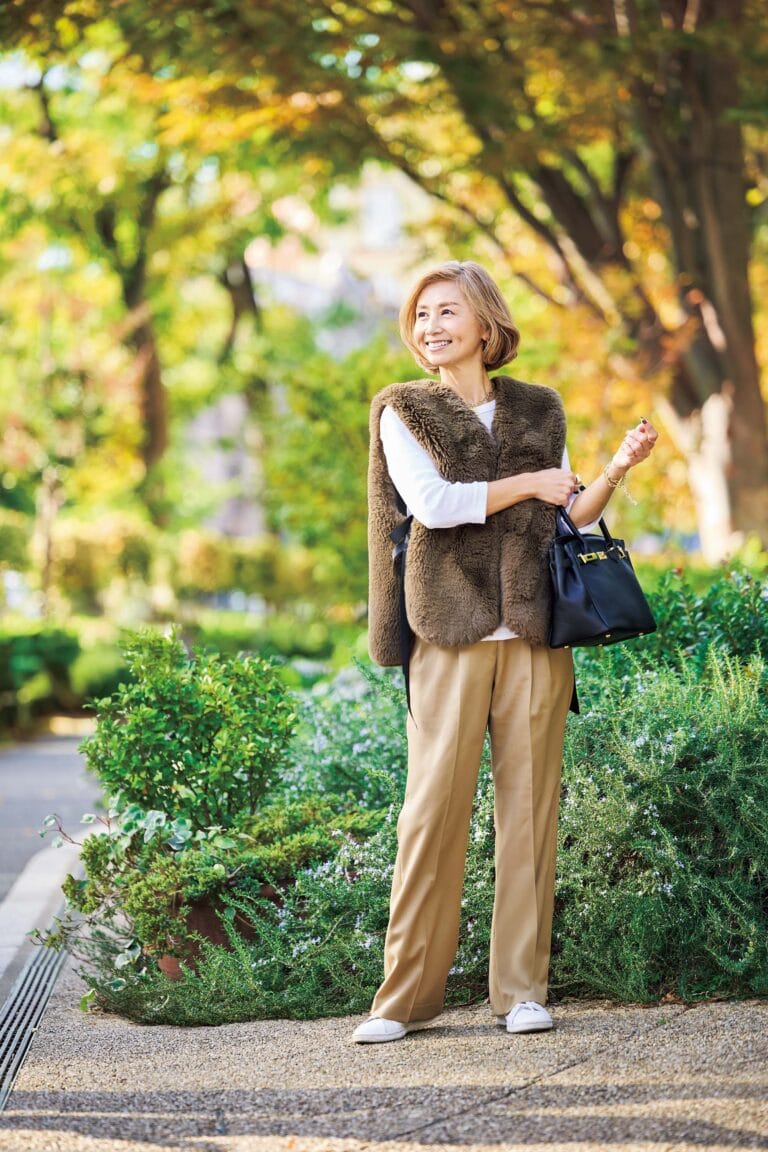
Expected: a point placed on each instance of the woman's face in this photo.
(446, 330)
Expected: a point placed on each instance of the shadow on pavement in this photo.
(685, 1114)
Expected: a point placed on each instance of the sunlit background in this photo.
(209, 220)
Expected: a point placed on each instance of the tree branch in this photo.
(482, 226)
(134, 275)
(47, 128)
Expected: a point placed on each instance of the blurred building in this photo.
(224, 446)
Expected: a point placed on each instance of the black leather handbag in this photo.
(596, 597)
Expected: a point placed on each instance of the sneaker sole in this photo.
(415, 1027)
(380, 1039)
(520, 1030)
(529, 1028)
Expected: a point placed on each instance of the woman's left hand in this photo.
(637, 445)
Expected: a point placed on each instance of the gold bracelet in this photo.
(620, 483)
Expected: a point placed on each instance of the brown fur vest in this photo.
(462, 582)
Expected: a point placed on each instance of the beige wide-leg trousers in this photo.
(522, 694)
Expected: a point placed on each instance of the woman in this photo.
(482, 466)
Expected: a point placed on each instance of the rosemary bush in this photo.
(663, 871)
(350, 740)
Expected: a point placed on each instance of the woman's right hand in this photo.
(551, 485)
(555, 485)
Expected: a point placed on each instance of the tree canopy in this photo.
(610, 157)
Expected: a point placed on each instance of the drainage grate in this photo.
(22, 1012)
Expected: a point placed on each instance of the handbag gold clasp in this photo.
(587, 557)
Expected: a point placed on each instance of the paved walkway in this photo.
(662, 1078)
(42, 776)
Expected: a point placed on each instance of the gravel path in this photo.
(623, 1078)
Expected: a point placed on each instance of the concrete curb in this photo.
(34, 898)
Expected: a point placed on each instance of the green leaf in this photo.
(224, 842)
(87, 1000)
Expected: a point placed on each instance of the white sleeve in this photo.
(434, 501)
(567, 465)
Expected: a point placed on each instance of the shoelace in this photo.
(525, 1004)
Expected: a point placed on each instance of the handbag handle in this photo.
(564, 516)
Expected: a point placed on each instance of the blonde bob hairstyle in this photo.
(486, 302)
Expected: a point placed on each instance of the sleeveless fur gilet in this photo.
(462, 582)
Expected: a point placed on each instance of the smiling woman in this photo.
(480, 467)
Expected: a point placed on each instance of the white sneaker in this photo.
(377, 1030)
(527, 1016)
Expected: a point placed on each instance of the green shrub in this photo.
(89, 556)
(204, 563)
(663, 861)
(663, 867)
(288, 836)
(350, 738)
(731, 617)
(146, 873)
(281, 574)
(258, 567)
(140, 877)
(35, 663)
(318, 948)
(201, 737)
(15, 531)
(275, 635)
(98, 671)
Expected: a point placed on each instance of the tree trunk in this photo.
(697, 161)
(719, 179)
(49, 502)
(139, 334)
(153, 405)
(152, 399)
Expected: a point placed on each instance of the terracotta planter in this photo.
(203, 919)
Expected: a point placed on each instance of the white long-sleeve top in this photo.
(434, 501)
